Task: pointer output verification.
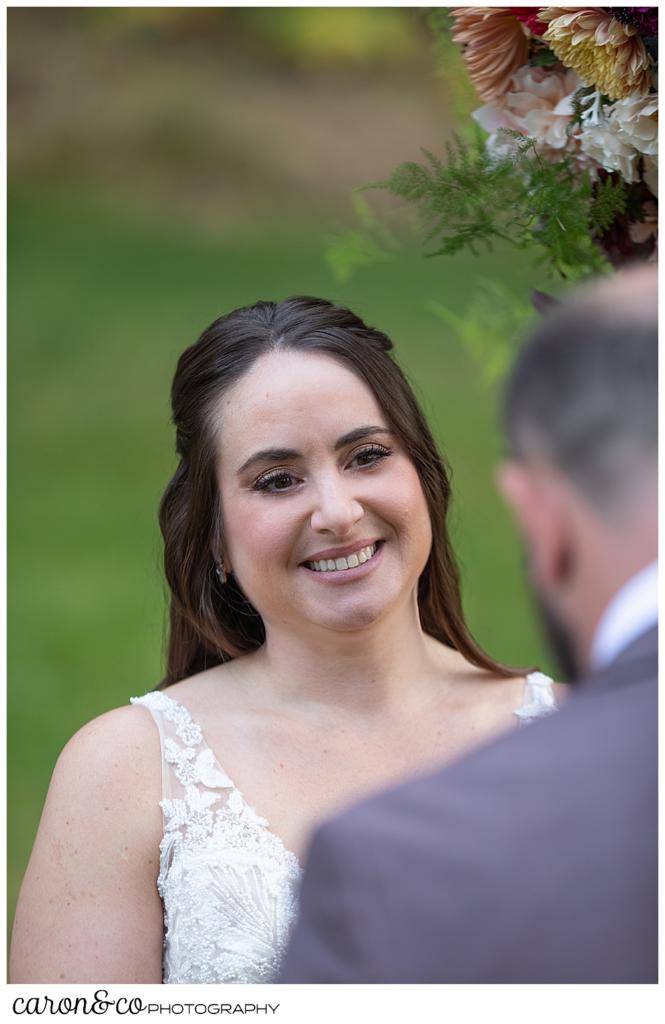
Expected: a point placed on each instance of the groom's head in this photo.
(581, 422)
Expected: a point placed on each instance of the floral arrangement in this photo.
(570, 159)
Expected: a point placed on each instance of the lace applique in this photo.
(191, 767)
(188, 731)
(228, 884)
(538, 700)
(192, 814)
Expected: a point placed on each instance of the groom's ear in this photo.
(536, 496)
(515, 484)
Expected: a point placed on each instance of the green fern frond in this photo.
(609, 200)
(473, 198)
(434, 161)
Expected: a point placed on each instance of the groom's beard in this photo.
(558, 640)
(557, 636)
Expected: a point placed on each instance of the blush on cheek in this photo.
(410, 511)
(406, 488)
(255, 543)
(418, 530)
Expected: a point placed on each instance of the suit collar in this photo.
(638, 661)
(645, 644)
(632, 611)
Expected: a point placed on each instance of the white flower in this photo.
(591, 105)
(539, 104)
(630, 129)
(636, 119)
(606, 145)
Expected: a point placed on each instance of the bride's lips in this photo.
(337, 576)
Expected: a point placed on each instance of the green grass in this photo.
(101, 304)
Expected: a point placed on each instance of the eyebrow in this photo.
(281, 454)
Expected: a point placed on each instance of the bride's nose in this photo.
(336, 511)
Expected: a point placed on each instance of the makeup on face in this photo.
(325, 519)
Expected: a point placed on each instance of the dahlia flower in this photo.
(605, 52)
(645, 19)
(495, 45)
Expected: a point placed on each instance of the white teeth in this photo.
(339, 564)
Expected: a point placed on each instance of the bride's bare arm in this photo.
(89, 910)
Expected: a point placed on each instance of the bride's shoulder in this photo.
(515, 691)
(475, 685)
(459, 672)
(108, 760)
(114, 737)
(97, 840)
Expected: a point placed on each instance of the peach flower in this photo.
(538, 104)
(495, 44)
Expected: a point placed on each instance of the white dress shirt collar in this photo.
(632, 611)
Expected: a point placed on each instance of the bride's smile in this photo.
(340, 560)
(325, 521)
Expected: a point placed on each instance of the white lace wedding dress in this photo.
(228, 884)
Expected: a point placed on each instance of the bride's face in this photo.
(312, 477)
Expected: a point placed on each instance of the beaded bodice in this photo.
(227, 882)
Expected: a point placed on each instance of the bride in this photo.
(317, 652)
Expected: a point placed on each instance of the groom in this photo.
(534, 859)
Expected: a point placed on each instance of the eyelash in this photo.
(265, 483)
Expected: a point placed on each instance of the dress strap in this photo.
(538, 700)
(187, 760)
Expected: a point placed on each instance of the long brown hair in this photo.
(211, 622)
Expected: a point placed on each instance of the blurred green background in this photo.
(167, 165)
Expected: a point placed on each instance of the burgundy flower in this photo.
(529, 17)
(644, 19)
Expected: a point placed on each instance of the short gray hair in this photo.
(583, 393)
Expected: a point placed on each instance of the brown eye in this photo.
(271, 483)
(370, 456)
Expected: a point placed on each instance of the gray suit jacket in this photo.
(533, 859)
